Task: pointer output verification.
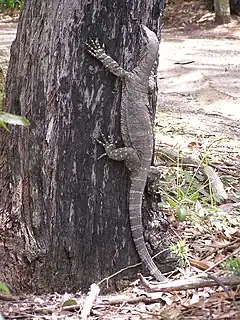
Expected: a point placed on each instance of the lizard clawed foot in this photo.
(94, 48)
(102, 144)
(108, 146)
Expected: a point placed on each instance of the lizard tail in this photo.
(135, 214)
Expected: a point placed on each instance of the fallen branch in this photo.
(192, 283)
(133, 265)
(184, 62)
(222, 247)
(6, 297)
(91, 297)
(225, 289)
(223, 259)
(121, 300)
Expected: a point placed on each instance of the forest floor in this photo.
(198, 115)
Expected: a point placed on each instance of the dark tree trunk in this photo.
(222, 11)
(234, 6)
(64, 215)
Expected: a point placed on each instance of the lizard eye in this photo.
(143, 38)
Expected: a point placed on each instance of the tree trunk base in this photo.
(222, 19)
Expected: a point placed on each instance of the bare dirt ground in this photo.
(199, 82)
(199, 105)
(199, 95)
(7, 35)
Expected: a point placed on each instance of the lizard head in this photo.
(149, 46)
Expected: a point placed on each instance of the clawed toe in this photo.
(101, 156)
(93, 46)
(100, 142)
(107, 145)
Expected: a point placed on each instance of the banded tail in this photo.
(135, 215)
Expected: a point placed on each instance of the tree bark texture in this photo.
(234, 6)
(222, 11)
(64, 215)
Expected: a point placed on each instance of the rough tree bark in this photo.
(64, 215)
(222, 11)
(234, 6)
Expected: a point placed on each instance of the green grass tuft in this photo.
(11, 4)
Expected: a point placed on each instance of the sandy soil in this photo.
(7, 35)
(199, 87)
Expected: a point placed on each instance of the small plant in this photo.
(8, 117)
(183, 190)
(11, 4)
(190, 189)
(232, 266)
(4, 289)
(12, 119)
(180, 250)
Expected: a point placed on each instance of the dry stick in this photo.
(225, 289)
(91, 297)
(22, 315)
(121, 300)
(223, 259)
(221, 247)
(129, 267)
(74, 307)
(117, 301)
(185, 284)
(120, 271)
(184, 62)
(6, 297)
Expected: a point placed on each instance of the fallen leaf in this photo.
(195, 144)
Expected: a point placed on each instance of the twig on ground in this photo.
(116, 273)
(117, 301)
(184, 62)
(133, 300)
(221, 247)
(223, 259)
(91, 297)
(225, 289)
(74, 307)
(192, 283)
(129, 267)
(8, 297)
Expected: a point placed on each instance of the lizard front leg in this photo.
(99, 53)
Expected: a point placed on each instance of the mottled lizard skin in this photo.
(136, 131)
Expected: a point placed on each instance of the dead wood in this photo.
(191, 283)
(5, 297)
(91, 297)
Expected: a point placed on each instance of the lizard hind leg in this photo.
(107, 145)
(127, 154)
